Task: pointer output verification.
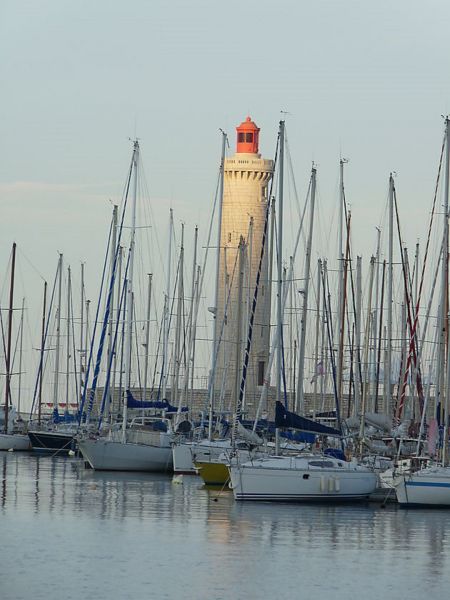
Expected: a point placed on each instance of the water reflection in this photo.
(214, 541)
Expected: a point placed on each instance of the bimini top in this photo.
(247, 137)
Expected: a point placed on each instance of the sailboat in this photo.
(145, 443)
(301, 477)
(11, 438)
(304, 476)
(430, 485)
(56, 434)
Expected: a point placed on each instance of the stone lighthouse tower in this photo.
(245, 198)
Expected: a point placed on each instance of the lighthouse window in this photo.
(241, 137)
(261, 372)
(249, 137)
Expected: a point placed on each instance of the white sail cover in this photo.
(247, 435)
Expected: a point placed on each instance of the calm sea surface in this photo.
(68, 533)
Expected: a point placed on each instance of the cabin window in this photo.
(306, 476)
(325, 464)
(249, 138)
(241, 137)
(261, 365)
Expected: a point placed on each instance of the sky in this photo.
(367, 81)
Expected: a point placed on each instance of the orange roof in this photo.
(247, 137)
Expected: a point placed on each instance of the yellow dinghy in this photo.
(213, 473)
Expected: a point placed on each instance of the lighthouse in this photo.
(244, 206)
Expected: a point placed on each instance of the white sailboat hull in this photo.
(107, 455)
(14, 441)
(428, 487)
(292, 480)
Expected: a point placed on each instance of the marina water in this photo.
(69, 533)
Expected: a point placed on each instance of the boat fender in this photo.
(337, 485)
(331, 484)
(322, 483)
(230, 485)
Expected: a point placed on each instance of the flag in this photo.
(319, 371)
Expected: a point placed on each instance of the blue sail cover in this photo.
(284, 418)
(163, 405)
(299, 436)
(64, 418)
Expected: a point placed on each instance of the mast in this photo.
(404, 333)
(341, 292)
(447, 404)
(177, 351)
(58, 338)
(323, 350)
(341, 316)
(20, 355)
(86, 335)
(194, 333)
(301, 364)
(189, 348)
(69, 316)
(167, 313)
(82, 349)
(375, 320)
(268, 297)
(291, 329)
(217, 284)
(316, 344)
(380, 331)
(130, 297)
(238, 348)
(41, 361)
(111, 313)
(116, 352)
(192, 316)
(444, 301)
(280, 264)
(248, 278)
(366, 362)
(388, 365)
(357, 349)
(147, 333)
(8, 343)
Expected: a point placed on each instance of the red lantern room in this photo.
(247, 137)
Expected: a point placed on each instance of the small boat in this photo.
(189, 453)
(429, 486)
(211, 461)
(214, 473)
(14, 436)
(305, 477)
(58, 439)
